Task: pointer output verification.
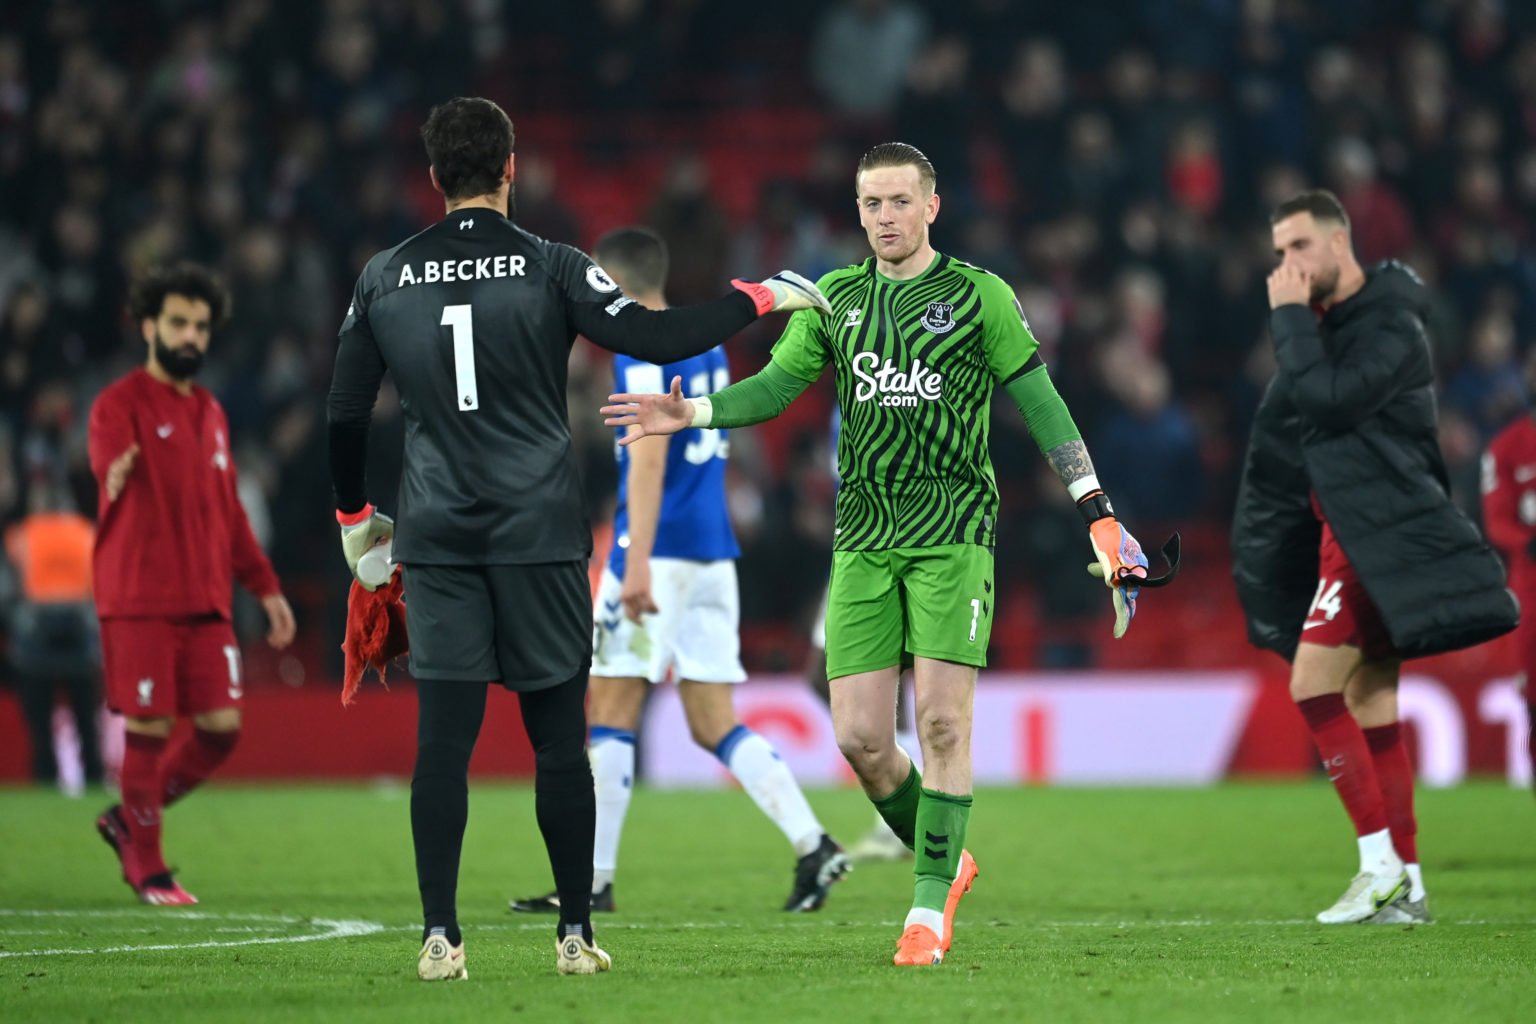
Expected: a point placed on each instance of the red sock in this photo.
(140, 783)
(1347, 760)
(1395, 774)
(194, 760)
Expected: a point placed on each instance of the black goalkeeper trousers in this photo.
(449, 719)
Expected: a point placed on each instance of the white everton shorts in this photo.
(695, 635)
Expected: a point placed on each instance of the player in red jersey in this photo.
(1509, 518)
(1349, 555)
(172, 539)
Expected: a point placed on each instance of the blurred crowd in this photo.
(1114, 161)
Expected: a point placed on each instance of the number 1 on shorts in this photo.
(975, 614)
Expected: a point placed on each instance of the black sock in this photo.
(564, 803)
(448, 723)
(450, 932)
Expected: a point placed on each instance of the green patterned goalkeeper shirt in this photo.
(916, 363)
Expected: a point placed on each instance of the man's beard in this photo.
(180, 363)
(1323, 285)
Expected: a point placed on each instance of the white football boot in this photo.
(1368, 893)
(574, 955)
(441, 962)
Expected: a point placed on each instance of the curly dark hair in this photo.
(146, 298)
(468, 139)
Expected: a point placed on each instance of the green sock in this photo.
(900, 808)
(941, 822)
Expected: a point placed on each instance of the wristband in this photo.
(1094, 507)
(353, 518)
(703, 411)
(1083, 486)
(761, 295)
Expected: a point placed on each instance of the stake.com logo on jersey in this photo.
(895, 387)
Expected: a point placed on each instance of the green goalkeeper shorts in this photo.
(883, 607)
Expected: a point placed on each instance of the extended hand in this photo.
(1289, 285)
(1120, 563)
(653, 414)
(280, 620)
(118, 470)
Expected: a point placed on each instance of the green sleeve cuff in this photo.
(760, 397)
(1049, 421)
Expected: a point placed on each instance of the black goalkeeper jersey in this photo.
(474, 319)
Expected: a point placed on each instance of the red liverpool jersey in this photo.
(1509, 500)
(176, 538)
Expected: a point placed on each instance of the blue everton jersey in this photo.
(694, 522)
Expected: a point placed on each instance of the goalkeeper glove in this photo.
(360, 531)
(784, 292)
(1120, 558)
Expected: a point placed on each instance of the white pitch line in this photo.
(332, 929)
(157, 915)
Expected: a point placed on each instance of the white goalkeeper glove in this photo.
(360, 531)
(784, 292)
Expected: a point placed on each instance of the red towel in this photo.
(375, 632)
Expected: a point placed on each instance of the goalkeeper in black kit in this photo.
(474, 318)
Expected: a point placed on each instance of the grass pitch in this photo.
(1093, 905)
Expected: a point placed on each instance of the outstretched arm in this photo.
(760, 397)
(619, 324)
(799, 356)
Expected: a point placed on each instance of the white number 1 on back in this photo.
(458, 317)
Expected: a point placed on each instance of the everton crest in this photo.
(940, 317)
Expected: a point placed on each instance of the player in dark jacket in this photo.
(474, 318)
(1349, 555)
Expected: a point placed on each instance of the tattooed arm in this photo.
(1116, 553)
(1072, 464)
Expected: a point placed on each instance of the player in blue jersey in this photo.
(667, 606)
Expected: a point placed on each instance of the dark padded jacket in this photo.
(1351, 416)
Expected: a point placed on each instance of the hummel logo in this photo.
(612, 606)
(467, 223)
(855, 317)
(936, 841)
(165, 429)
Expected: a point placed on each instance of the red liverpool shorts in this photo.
(160, 668)
(1342, 613)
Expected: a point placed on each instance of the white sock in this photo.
(933, 919)
(613, 775)
(907, 740)
(1416, 882)
(1377, 854)
(767, 779)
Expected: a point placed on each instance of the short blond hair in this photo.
(898, 154)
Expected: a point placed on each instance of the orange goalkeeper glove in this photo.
(1121, 563)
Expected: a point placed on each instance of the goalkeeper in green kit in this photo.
(918, 341)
